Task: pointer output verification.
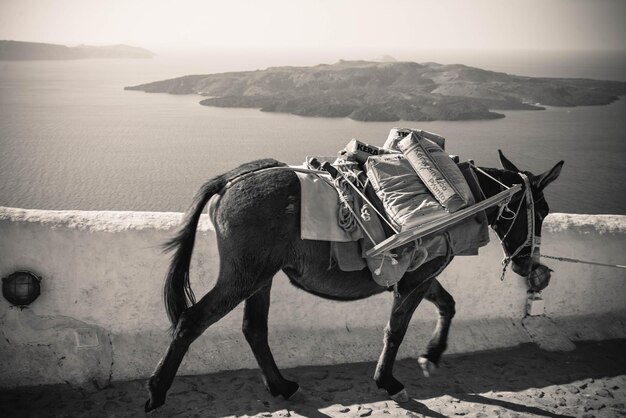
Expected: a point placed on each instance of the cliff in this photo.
(27, 51)
(388, 91)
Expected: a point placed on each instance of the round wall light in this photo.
(21, 288)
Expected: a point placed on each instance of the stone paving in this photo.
(524, 381)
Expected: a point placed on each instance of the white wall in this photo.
(100, 315)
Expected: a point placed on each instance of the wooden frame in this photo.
(442, 223)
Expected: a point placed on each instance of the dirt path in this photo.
(525, 381)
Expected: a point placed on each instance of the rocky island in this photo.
(388, 91)
(29, 51)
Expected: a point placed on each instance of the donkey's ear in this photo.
(506, 164)
(542, 180)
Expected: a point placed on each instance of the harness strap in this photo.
(531, 239)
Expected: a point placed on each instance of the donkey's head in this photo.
(519, 224)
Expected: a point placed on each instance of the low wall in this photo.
(100, 316)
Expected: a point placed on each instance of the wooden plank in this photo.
(440, 224)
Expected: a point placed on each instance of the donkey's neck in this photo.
(491, 188)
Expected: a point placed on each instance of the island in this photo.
(388, 91)
(30, 51)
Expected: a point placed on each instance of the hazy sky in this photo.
(321, 24)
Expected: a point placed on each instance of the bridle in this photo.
(533, 241)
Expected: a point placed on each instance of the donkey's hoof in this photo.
(428, 367)
(400, 397)
(151, 405)
(297, 395)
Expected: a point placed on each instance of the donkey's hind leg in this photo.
(223, 298)
(254, 328)
(439, 341)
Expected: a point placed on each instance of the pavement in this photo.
(525, 381)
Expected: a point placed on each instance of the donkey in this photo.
(257, 225)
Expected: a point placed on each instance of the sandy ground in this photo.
(520, 382)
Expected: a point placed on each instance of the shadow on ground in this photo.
(524, 381)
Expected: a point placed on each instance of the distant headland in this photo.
(388, 91)
(30, 51)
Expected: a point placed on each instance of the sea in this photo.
(71, 137)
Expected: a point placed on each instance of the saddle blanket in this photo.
(319, 211)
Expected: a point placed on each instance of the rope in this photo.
(365, 199)
(489, 175)
(345, 204)
(345, 217)
(576, 260)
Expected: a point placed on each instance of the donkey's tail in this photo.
(177, 293)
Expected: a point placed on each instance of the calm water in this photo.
(72, 138)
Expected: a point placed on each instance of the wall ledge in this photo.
(601, 224)
(103, 221)
(115, 221)
(103, 274)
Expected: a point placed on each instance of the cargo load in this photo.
(407, 201)
(398, 134)
(415, 180)
(438, 171)
(419, 188)
(360, 151)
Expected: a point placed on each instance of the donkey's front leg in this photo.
(410, 295)
(439, 341)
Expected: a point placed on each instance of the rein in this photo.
(576, 260)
